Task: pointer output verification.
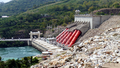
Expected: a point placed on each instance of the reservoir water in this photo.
(18, 52)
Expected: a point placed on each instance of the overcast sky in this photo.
(5, 1)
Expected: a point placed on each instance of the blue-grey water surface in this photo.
(17, 52)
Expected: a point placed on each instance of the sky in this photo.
(5, 1)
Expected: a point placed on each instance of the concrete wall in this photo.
(95, 21)
(84, 18)
(29, 43)
(104, 17)
(98, 20)
(85, 28)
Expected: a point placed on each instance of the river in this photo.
(18, 52)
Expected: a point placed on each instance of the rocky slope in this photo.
(109, 11)
(95, 52)
(99, 49)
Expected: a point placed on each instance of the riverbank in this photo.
(4, 44)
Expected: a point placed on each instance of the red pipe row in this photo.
(65, 40)
(61, 36)
(64, 37)
(61, 33)
(68, 38)
(74, 38)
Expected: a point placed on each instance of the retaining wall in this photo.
(93, 20)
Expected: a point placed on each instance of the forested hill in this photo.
(17, 6)
(58, 13)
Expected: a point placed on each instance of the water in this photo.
(18, 52)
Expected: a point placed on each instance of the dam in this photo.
(69, 36)
(82, 23)
(37, 43)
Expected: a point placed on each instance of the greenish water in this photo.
(18, 52)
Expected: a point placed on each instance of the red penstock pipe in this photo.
(61, 33)
(63, 37)
(74, 38)
(69, 40)
(65, 40)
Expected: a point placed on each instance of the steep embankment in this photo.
(114, 21)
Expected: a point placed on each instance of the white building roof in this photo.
(5, 16)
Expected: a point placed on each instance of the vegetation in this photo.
(0, 58)
(18, 6)
(56, 13)
(39, 16)
(100, 13)
(12, 44)
(26, 62)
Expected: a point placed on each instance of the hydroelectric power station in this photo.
(69, 36)
(81, 24)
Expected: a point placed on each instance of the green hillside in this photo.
(59, 13)
(16, 6)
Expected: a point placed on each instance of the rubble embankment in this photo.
(98, 50)
(94, 52)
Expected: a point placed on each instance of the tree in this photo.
(11, 63)
(91, 8)
(0, 58)
(35, 60)
(116, 5)
(2, 64)
(64, 24)
(54, 21)
(25, 62)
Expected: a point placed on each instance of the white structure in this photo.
(77, 12)
(95, 20)
(5, 16)
(34, 33)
